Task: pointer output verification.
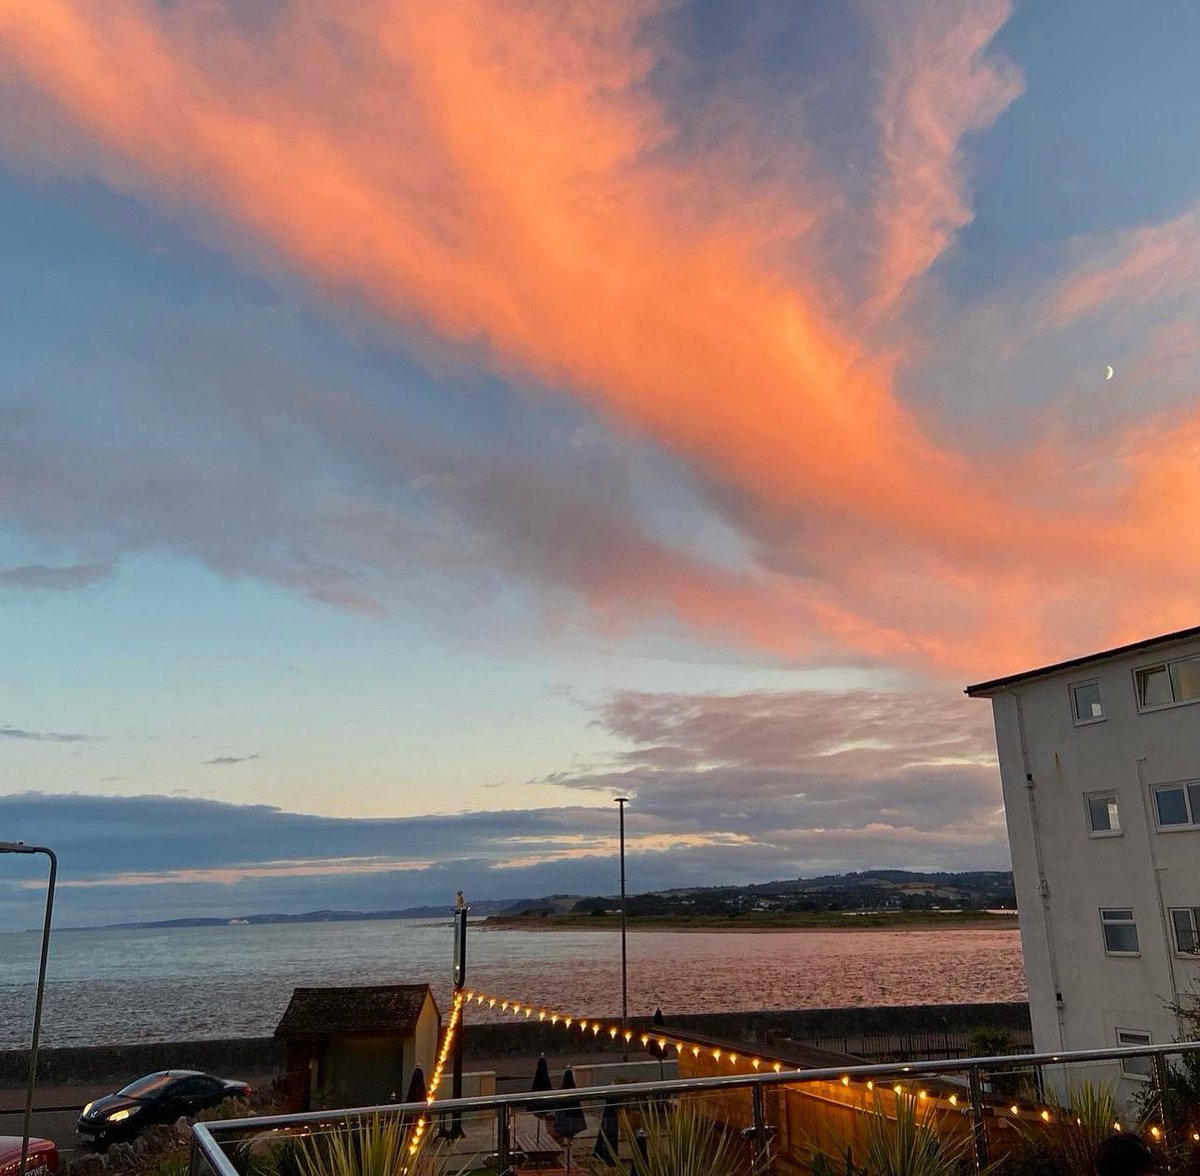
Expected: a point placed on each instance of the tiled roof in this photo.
(329, 1012)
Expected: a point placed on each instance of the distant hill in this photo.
(905, 890)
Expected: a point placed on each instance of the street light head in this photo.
(17, 847)
(620, 800)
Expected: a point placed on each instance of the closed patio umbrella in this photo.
(608, 1137)
(416, 1087)
(652, 1047)
(569, 1119)
(541, 1081)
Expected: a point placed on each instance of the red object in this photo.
(43, 1156)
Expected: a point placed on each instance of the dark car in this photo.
(157, 1098)
(42, 1159)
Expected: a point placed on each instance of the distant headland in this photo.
(868, 899)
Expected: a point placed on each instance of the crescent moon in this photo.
(1108, 372)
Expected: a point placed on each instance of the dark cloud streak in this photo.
(69, 578)
(43, 736)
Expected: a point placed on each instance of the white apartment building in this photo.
(1100, 766)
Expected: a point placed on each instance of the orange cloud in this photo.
(501, 176)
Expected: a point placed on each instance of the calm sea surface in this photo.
(180, 984)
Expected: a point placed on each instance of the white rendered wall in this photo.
(1143, 868)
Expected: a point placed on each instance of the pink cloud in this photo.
(494, 176)
(938, 87)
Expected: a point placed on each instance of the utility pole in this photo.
(622, 801)
(460, 979)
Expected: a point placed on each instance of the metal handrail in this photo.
(206, 1144)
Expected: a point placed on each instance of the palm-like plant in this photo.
(1079, 1123)
(905, 1143)
(683, 1141)
(381, 1145)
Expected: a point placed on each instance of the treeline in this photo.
(901, 890)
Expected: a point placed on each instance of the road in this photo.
(54, 1114)
(56, 1108)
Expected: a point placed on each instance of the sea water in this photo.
(176, 984)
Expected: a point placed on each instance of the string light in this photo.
(664, 1042)
(439, 1069)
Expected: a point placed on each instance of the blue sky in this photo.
(455, 423)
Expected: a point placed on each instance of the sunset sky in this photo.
(421, 423)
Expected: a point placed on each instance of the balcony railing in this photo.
(987, 1103)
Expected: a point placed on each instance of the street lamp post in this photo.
(621, 802)
(21, 847)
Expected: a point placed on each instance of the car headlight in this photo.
(88, 1109)
(121, 1115)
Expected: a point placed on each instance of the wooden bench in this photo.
(531, 1151)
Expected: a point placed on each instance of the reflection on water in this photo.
(184, 983)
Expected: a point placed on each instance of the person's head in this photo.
(1124, 1154)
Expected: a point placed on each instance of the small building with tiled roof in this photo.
(357, 1046)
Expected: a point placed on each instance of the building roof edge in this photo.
(986, 689)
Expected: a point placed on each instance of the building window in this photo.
(1085, 702)
(1168, 683)
(1185, 921)
(1134, 1067)
(1177, 806)
(1103, 818)
(1120, 932)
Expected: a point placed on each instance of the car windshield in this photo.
(146, 1087)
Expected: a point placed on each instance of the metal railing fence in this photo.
(969, 1076)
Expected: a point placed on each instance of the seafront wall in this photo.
(232, 1057)
(882, 1029)
(811, 1026)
